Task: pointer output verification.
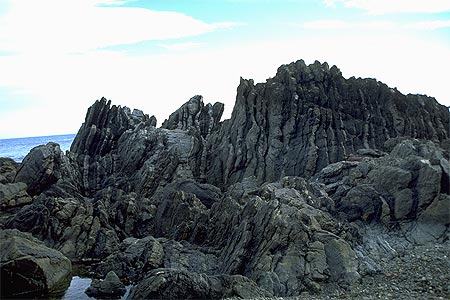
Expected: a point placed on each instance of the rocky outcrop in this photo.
(194, 114)
(109, 288)
(275, 201)
(284, 238)
(307, 117)
(29, 268)
(8, 170)
(13, 194)
(407, 188)
(41, 168)
(175, 284)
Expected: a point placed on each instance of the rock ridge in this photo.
(278, 200)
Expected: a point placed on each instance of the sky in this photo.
(58, 56)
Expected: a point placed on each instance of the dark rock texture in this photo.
(307, 117)
(175, 284)
(275, 201)
(29, 268)
(109, 288)
(194, 114)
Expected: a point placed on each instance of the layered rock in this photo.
(29, 268)
(407, 188)
(307, 117)
(194, 114)
(203, 208)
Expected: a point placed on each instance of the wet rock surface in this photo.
(318, 186)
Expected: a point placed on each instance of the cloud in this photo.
(335, 24)
(180, 46)
(437, 24)
(82, 25)
(379, 7)
(341, 24)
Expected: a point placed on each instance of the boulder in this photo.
(29, 268)
(110, 288)
(41, 168)
(14, 194)
(8, 170)
(175, 284)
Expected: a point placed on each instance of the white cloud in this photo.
(82, 25)
(429, 24)
(180, 46)
(341, 24)
(330, 24)
(378, 7)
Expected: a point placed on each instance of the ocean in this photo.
(18, 148)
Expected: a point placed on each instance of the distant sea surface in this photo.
(18, 148)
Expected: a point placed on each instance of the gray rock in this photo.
(41, 168)
(29, 268)
(8, 170)
(14, 194)
(194, 114)
(175, 284)
(307, 117)
(111, 287)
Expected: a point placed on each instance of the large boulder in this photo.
(29, 268)
(42, 167)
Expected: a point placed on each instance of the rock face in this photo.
(195, 114)
(276, 201)
(110, 288)
(175, 284)
(307, 117)
(29, 268)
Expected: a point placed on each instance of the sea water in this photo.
(18, 148)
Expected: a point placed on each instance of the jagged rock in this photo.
(29, 268)
(403, 186)
(175, 284)
(76, 226)
(8, 170)
(276, 238)
(111, 287)
(41, 168)
(307, 117)
(194, 114)
(136, 256)
(14, 194)
(200, 196)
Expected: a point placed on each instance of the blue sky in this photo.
(58, 56)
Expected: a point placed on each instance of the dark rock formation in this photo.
(307, 117)
(41, 168)
(109, 288)
(175, 284)
(281, 196)
(194, 114)
(13, 194)
(8, 170)
(407, 188)
(29, 268)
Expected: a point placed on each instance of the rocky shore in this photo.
(317, 187)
